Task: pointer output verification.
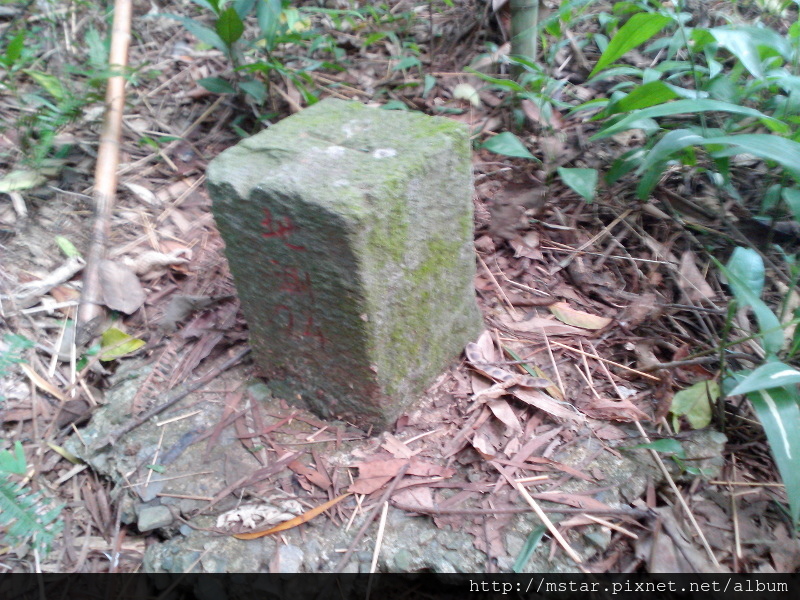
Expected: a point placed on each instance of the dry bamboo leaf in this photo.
(503, 411)
(541, 325)
(566, 314)
(614, 410)
(397, 448)
(41, 383)
(558, 410)
(479, 357)
(144, 194)
(691, 280)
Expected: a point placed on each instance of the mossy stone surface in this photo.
(349, 236)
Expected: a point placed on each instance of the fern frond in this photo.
(28, 515)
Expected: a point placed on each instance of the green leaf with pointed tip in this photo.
(682, 107)
(745, 277)
(256, 89)
(14, 49)
(667, 146)
(748, 267)
(51, 84)
(201, 32)
(581, 181)
(216, 85)
(643, 96)
(783, 151)
(792, 198)
(665, 445)
(67, 247)
(229, 26)
(268, 14)
(534, 537)
(508, 144)
(639, 28)
(771, 375)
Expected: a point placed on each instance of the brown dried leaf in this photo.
(614, 410)
(566, 314)
(576, 500)
(503, 411)
(397, 448)
(542, 326)
(319, 479)
(691, 280)
(415, 496)
(527, 246)
(121, 288)
(558, 410)
(372, 475)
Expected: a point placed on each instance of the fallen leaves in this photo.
(374, 474)
(564, 313)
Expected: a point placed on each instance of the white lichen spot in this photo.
(335, 150)
(384, 153)
(341, 183)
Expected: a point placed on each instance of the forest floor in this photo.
(617, 300)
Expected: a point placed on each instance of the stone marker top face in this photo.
(343, 145)
(348, 230)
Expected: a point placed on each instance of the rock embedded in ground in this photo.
(349, 236)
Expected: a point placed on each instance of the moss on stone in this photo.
(377, 212)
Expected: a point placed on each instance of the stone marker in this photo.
(349, 236)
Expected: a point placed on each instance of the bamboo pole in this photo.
(90, 310)
(524, 25)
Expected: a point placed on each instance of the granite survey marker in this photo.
(349, 235)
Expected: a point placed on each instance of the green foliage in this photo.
(695, 404)
(50, 100)
(582, 181)
(27, 516)
(699, 104)
(709, 93)
(11, 348)
(508, 144)
(531, 543)
(674, 450)
(256, 61)
(771, 388)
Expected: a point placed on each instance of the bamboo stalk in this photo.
(524, 25)
(90, 310)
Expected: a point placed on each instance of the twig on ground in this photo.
(368, 521)
(185, 391)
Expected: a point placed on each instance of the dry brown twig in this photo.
(105, 186)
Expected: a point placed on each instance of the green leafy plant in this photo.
(51, 101)
(26, 515)
(673, 449)
(772, 387)
(711, 99)
(255, 61)
(11, 348)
